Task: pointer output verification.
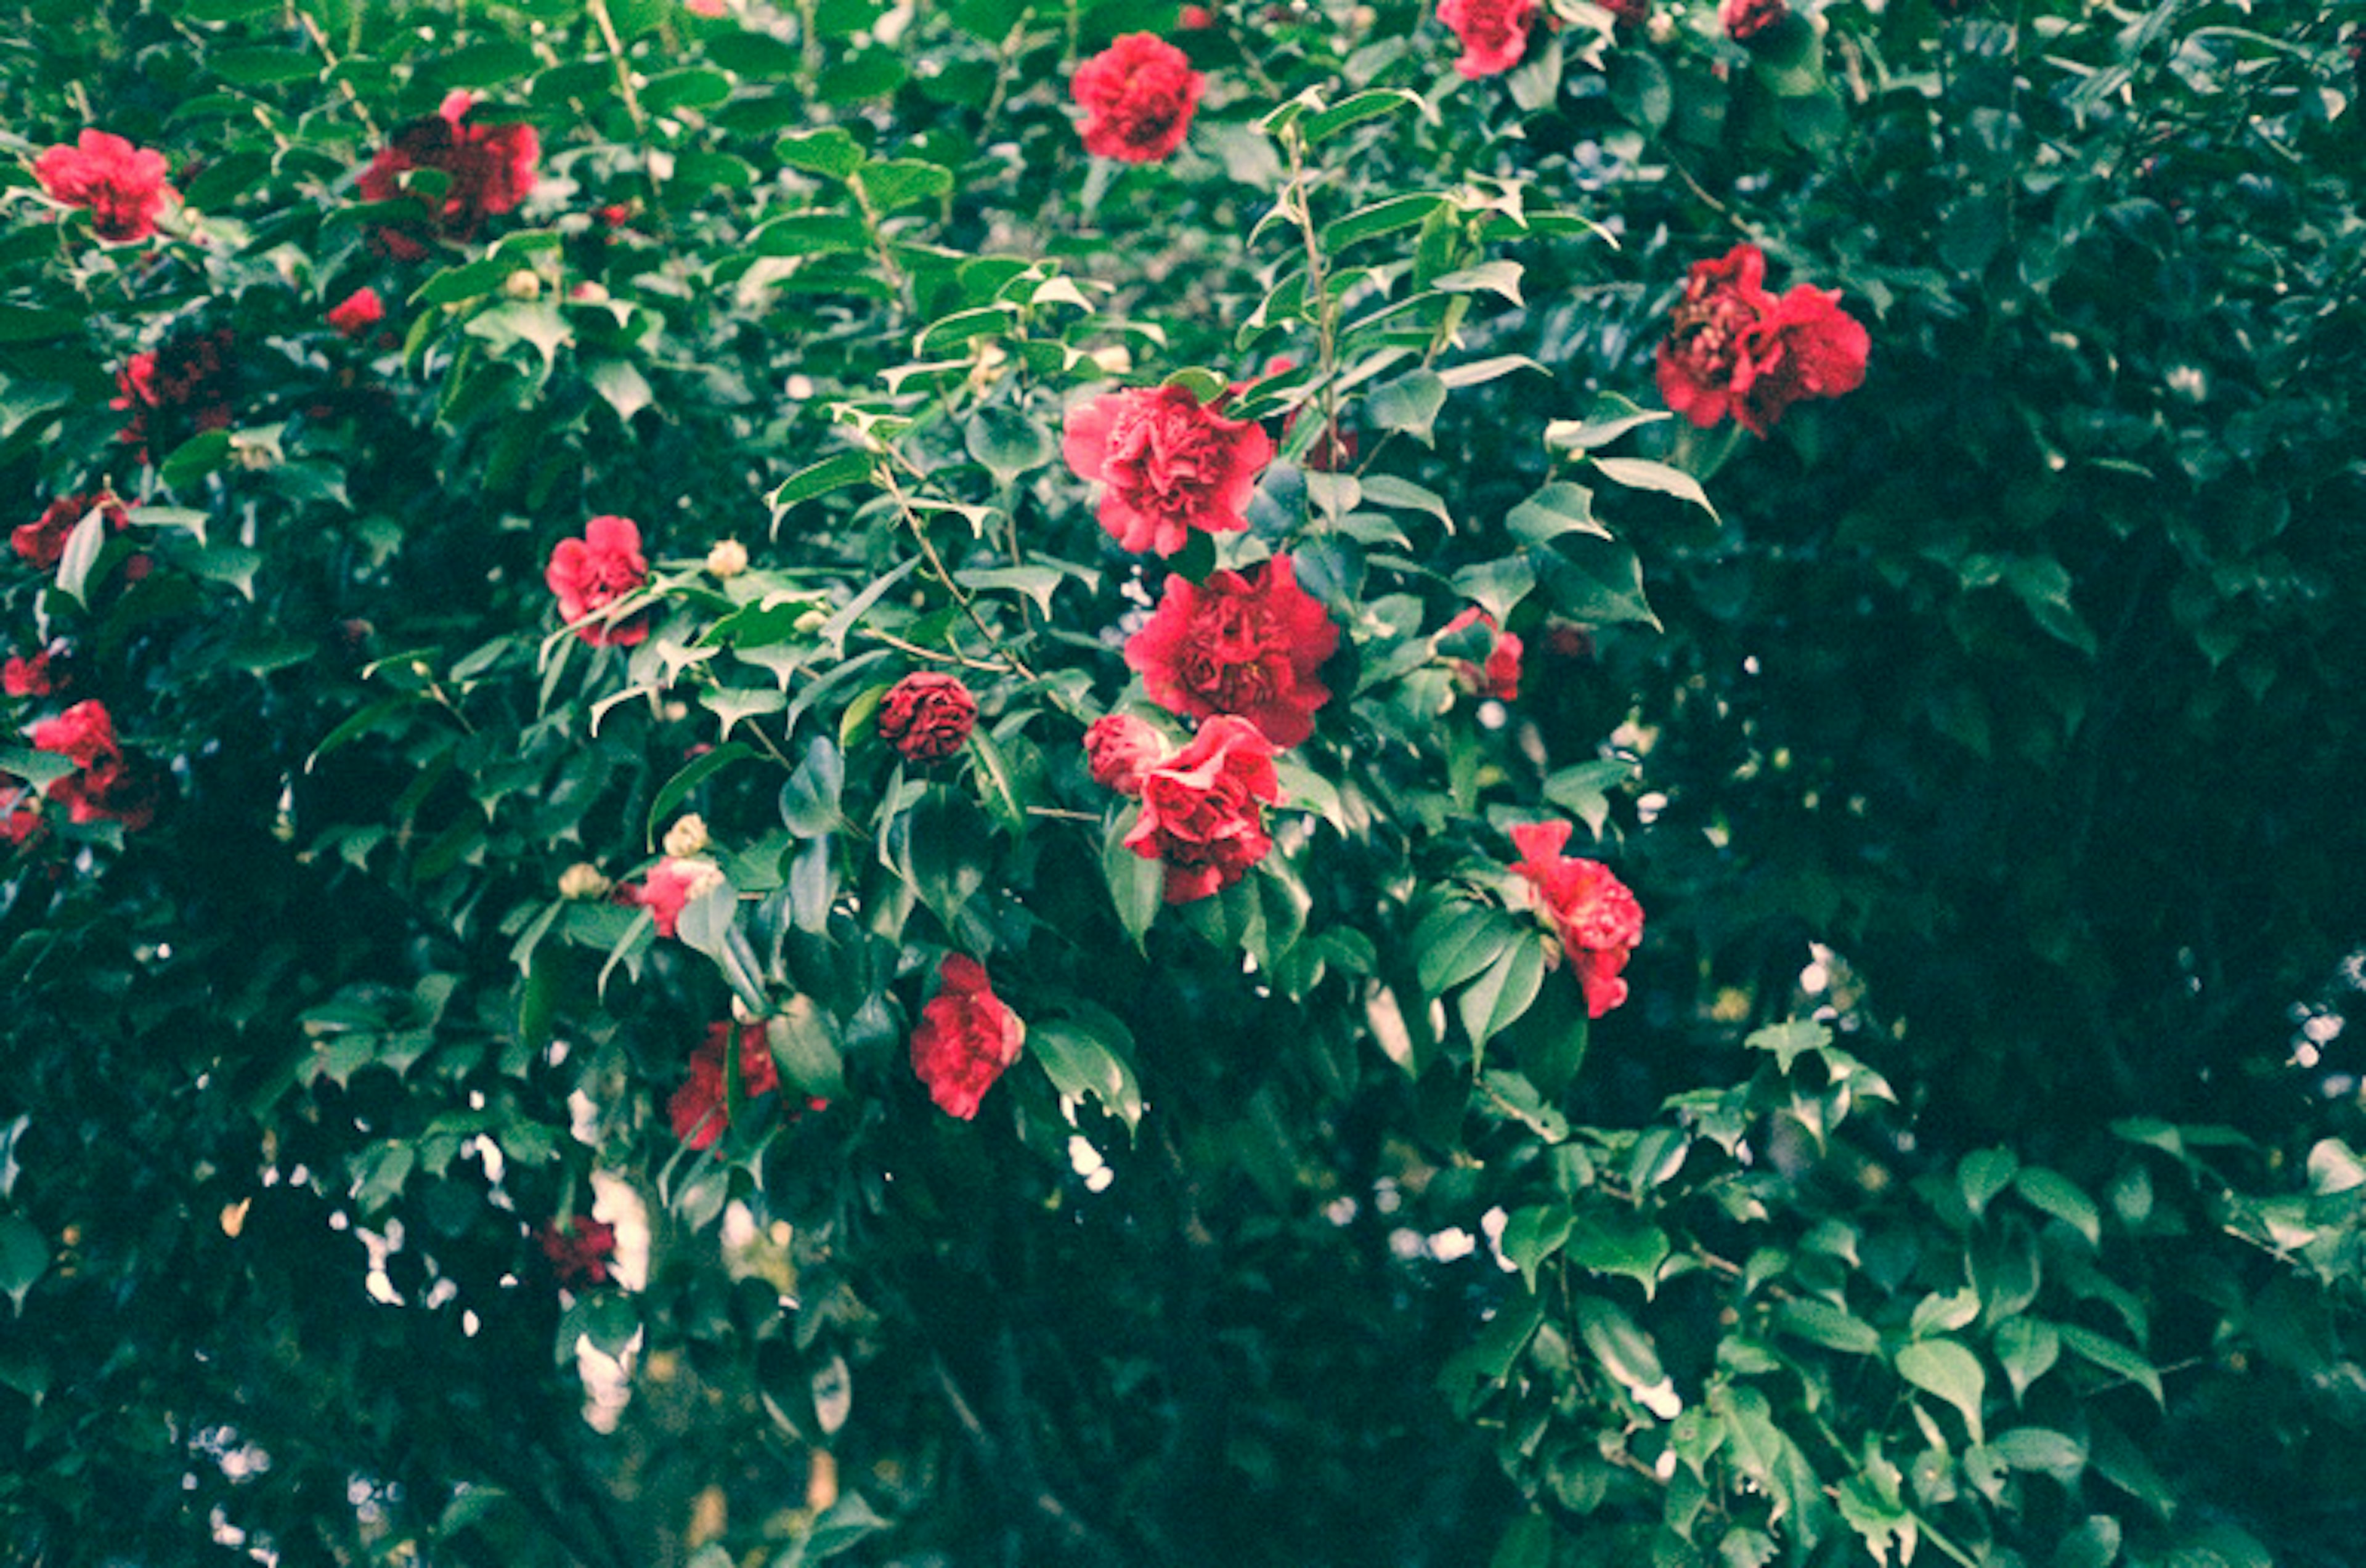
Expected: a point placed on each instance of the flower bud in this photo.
(588, 293)
(522, 284)
(686, 837)
(727, 558)
(1662, 28)
(582, 883)
(1117, 359)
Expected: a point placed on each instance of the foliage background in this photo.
(1971, 1175)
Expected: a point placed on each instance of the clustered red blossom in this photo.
(42, 542)
(1203, 809)
(487, 169)
(591, 573)
(669, 889)
(357, 312)
(1167, 464)
(1137, 94)
(926, 716)
(178, 391)
(122, 186)
(1745, 19)
(965, 1038)
(1598, 921)
(1499, 675)
(581, 1249)
(1493, 33)
(1120, 750)
(107, 785)
(1250, 643)
(1735, 349)
(699, 1110)
(42, 675)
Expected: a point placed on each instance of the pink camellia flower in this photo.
(1121, 749)
(487, 169)
(1745, 19)
(1735, 348)
(42, 542)
(1499, 677)
(966, 1037)
(926, 716)
(106, 786)
(1598, 921)
(699, 1110)
(1203, 809)
(1806, 347)
(1167, 464)
(1250, 643)
(1137, 94)
(591, 573)
(1494, 33)
(121, 184)
(178, 391)
(581, 1250)
(669, 889)
(357, 312)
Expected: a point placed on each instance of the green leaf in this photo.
(1384, 217)
(1137, 883)
(81, 556)
(24, 1257)
(1616, 1241)
(1501, 278)
(1356, 110)
(2059, 1197)
(1945, 1368)
(1790, 1040)
(1497, 585)
(232, 564)
(1008, 442)
(195, 458)
(1983, 1175)
(842, 1527)
(21, 324)
(2113, 1357)
(833, 472)
(733, 704)
(2043, 1450)
(1455, 941)
(805, 1039)
(810, 235)
(1638, 473)
(1410, 403)
(676, 790)
(830, 150)
(621, 385)
(2094, 1544)
(697, 87)
(1556, 510)
(1386, 489)
(265, 67)
(1625, 1351)
(1611, 417)
(2028, 1348)
(899, 181)
(1090, 1056)
(535, 324)
(1820, 1322)
(810, 799)
(1534, 1233)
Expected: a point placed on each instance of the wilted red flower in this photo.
(487, 169)
(1137, 94)
(43, 541)
(107, 785)
(1806, 347)
(965, 1038)
(1494, 33)
(1598, 921)
(1745, 19)
(1499, 676)
(669, 889)
(1169, 464)
(1203, 809)
(357, 312)
(699, 1110)
(121, 184)
(1735, 349)
(581, 1249)
(591, 573)
(1120, 749)
(926, 716)
(1250, 643)
(180, 388)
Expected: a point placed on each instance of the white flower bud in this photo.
(686, 837)
(582, 882)
(727, 558)
(522, 284)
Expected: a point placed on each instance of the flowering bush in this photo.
(1229, 807)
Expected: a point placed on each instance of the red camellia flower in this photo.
(1137, 94)
(1240, 643)
(1499, 677)
(1203, 809)
(1169, 464)
(22, 677)
(107, 785)
(1745, 19)
(668, 888)
(487, 169)
(1195, 18)
(43, 541)
(966, 1037)
(176, 392)
(1120, 749)
(699, 1109)
(357, 312)
(594, 572)
(1735, 349)
(926, 716)
(582, 1249)
(21, 815)
(1494, 33)
(1597, 919)
(121, 184)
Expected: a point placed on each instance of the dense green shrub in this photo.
(567, 552)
